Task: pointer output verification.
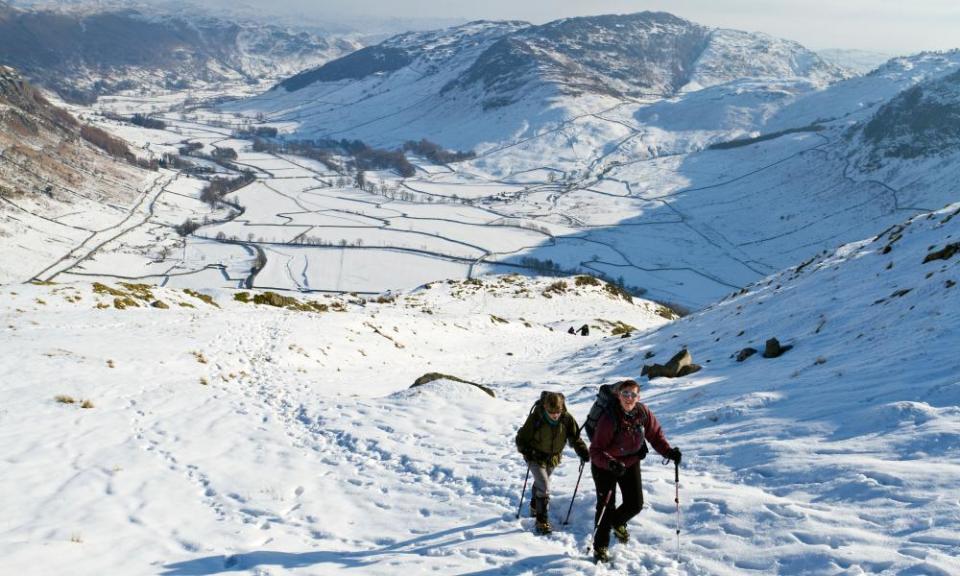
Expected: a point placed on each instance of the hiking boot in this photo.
(600, 554)
(621, 533)
(544, 527)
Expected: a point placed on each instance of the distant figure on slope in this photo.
(617, 445)
(540, 440)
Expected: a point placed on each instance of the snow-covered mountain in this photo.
(86, 53)
(218, 435)
(57, 175)
(487, 83)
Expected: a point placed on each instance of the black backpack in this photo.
(605, 403)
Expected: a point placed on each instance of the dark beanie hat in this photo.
(553, 402)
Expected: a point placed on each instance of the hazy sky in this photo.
(894, 26)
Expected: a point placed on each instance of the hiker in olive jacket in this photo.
(541, 440)
(618, 445)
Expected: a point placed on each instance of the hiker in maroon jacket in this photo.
(615, 453)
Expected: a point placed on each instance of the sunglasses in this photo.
(629, 395)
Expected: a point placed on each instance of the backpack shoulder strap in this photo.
(644, 415)
(536, 405)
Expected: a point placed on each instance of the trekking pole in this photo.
(603, 510)
(524, 491)
(676, 483)
(567, 519)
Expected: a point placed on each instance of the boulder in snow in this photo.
(431, 376)
(680, 365)
(773, 349)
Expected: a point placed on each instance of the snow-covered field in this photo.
(239, 438)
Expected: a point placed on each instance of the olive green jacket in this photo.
(542, 443)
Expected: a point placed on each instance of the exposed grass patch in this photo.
(618, 292)
(586, 280)
(141, 291)
(99, 288)
(199, 356)
(86, 404)
(498, 320)
(64, 399)
(667, 313)
(280, 301)
(558, 287)
(203, 297)
(621, 328)
(124, 302)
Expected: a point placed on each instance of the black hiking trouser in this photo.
(631, 489)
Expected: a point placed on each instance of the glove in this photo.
(643, 451)
(675, 455)
(617, 468)
(584, 456)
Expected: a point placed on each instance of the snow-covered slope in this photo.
(505, 82)
(734, 55)
(845, 451)
(93, 50)
(234, 428)
(232, 437)
(56, 188)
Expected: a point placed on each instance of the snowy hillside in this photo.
(500, 83)
(59, 194)
(846, 448)
(87, 51)
(218, 436)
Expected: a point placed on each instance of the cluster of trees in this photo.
(104, 141)
(258, 132)
(380, 159)
(363, 157)
(313, 241)
(147, 122)
(115, 147)
(189, 148)
(524, 224)
(224, 154)
(545, 267)
(219, 187)
(548, 267)
(187, 227)
(435, 153)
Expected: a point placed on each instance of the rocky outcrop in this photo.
(681, 364)
(773, 349)
(432, 376)
(745, 353)
(945, 253)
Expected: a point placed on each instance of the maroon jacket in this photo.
(625, 445)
